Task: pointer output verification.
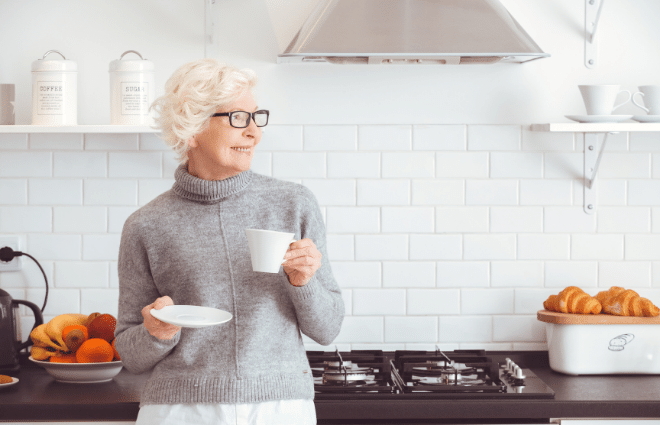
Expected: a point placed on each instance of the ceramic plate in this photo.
(9, 384)
(81, 373)
(598, 118)
(191, 316)
(647, 118)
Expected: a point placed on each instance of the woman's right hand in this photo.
(157, 328)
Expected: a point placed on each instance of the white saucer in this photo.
(598, 118)
(191, 316)
(647, 118)
(14, 380)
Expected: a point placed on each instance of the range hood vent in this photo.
(447, 32)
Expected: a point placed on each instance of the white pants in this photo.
(279, 412)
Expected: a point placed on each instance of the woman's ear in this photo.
(192, 142)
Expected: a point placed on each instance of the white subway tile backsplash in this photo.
(408, 164)
(170, 163)
(101, 300)
(624, 220)
(56, 141)
(374, 302)
(433, 301)
(60, 301)
(529, 301)
(117, 217)
(597, 247)
(80, 164)
(330, 137)
(332, 191)
(516, 273)
(486, 301)
(152, 142)
(512, 165)
(489, 247)
(568, 220)
(440, 137)
(435, 247)
(80, 219)
(262, 163)
(152, 188)
(644, 192)
(14, 141)
(407, 219)
(463, 274)
(25, 219)
(135, 164)
(347, 297)
(410, 274)
(491, 192)
(560, 274)
(642, 247)
(516, 219)
(30, 275)
(461, 220)
(610, 192)
(518, 328)
(655, 164)
(13, 191)
(110, 192)
(544, 247)
(354, 274)
(282, 138)
(465, 329)
(383, 192)
(495, 346)
(353, 219)
(55, 247)
(340, 247)
(299, 165)
(55, 192)
(100, 247)
(385, 137)
(644, 141)
(546, 141)
(26, 164)
(545, 192)
(381, 247)
(111, 141)
(353, 165)
(114, 275)
(655, 220)
(625, 166)
(493, 137)
(438, 192)
(81, 274)
(361, 329)
(563, 165)
(411, 329)
(635, 274)
(472, 165)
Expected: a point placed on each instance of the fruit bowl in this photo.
(80, 373)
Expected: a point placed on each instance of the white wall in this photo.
(449, 222)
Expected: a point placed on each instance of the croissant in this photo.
(573, 300)
(626, 302)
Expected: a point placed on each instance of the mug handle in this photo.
(626, 101)
(292, 241)
(637, 104)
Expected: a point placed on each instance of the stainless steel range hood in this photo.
(411, 32)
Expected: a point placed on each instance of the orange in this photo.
(115, 350)
(64, 358)
(95, 350)
(103, 327)
(69, 328)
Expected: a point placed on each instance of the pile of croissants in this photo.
(617, 301)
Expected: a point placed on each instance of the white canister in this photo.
(131, 91)
(54, 91)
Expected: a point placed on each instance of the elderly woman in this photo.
(188, 247)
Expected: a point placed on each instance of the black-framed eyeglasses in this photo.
(241, 119)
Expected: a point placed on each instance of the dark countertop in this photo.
(39, 397)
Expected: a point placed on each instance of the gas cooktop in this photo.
(404, 374)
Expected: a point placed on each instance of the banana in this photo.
(40, 353)
(58, 323)
(41, 339)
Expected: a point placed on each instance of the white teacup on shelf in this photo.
(599, 98)
(651, 95)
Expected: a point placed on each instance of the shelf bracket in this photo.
(592, 157)
(211, 49)
(592, 9)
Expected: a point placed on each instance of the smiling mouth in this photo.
(241, 149)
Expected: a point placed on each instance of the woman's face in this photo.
(222, 151)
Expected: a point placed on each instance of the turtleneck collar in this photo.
(193, 188)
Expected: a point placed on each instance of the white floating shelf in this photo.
(574, 127)
(77, 129)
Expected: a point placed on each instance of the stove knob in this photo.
(518, 374)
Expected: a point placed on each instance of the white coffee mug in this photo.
(267, 249)
(599, 99)
(651, 95)
(7, 104)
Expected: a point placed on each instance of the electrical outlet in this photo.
(14, 243)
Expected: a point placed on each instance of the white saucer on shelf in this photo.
(598, 118)
(647, 118)
(191, 316)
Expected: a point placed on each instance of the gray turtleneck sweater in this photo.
(189, 243)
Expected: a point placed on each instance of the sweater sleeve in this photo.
(138, 349)
(319, 304)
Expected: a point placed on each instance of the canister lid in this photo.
(64, 64)
(135, 65)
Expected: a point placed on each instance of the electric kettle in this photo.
(10, 342)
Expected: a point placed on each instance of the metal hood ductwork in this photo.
(411, 32)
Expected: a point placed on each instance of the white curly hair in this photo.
(192, 94)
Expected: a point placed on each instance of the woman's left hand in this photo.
(302, 261)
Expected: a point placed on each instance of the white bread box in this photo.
(587, 344)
